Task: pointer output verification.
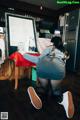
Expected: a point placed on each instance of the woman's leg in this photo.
(65, 99)
(56, 89)
(43, 83)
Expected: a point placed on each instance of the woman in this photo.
(51, 67)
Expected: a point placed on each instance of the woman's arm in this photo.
(35, 59)
(66, 55)
(45, 52)
(31, 58)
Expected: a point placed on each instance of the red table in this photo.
(21, 61)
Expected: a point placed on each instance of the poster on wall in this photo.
(21, 33)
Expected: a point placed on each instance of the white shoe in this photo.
(68, 104)
(35, 100)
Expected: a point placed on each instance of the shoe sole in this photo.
(35, 100)
(71, 105)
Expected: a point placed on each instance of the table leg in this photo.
(29, 72)
(16, 77)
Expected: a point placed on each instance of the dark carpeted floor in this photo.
(18, 106)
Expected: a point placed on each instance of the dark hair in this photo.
(57, 41)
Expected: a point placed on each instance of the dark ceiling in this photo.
(50, 7)
(50, 4)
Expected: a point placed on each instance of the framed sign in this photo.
(21, 34)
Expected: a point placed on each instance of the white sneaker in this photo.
(68, 104)
(35, 100)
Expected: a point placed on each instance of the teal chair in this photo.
(34, 74)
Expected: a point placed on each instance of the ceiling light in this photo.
(41, 7)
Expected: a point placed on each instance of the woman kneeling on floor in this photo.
(51, 67)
